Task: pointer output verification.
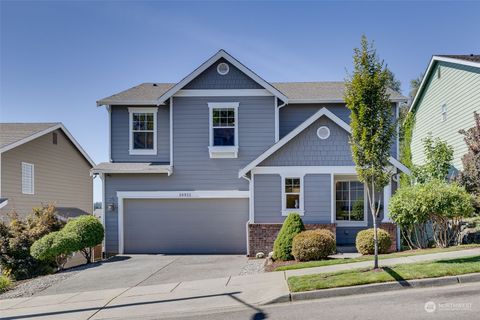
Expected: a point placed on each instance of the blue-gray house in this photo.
(214, 163)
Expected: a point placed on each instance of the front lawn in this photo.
(329, 262)
(401, 272)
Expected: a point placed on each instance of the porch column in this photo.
(387, 193)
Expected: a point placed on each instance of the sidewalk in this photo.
(184, 297)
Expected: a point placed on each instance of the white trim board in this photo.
(184, 195)
(223, 93)
(429, 69)
(221, 54)
(48, 130)
(322, 112)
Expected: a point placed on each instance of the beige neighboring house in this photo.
(42, 163)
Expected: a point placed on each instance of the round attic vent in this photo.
(323, 132)
(223, 68)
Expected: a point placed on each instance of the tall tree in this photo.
(393, 82)
(372, 124)
(470, 176)
(414, 86)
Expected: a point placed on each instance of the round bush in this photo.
(313, 245)
(42, 249)
(282, 247)
(365, 243)
(89, 232)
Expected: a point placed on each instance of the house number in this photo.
(185, 195)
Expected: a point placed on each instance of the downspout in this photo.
(250, 213)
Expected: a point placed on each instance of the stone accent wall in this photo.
(262, 235)
(391, 228)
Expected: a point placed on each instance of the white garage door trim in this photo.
(210, 194)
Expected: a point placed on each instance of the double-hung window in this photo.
(28, 178)
(143, 131)
(223, 130)
(292, 195)
(350, 202)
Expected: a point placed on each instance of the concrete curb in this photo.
(380, 287)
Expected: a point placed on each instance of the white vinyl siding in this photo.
(457, 89)
(28, 178)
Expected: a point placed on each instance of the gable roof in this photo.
(296, 92)
(322, 92)
(13, 135)
(322, 112)
(466, 60)
(221, 54)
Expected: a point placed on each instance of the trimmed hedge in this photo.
(282, 247)
(55, 246)
(313, 245)
(89, 231)
(365, 242)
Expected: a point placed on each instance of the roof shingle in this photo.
(13, 132)
(466, 57)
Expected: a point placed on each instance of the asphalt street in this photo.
(451, 302)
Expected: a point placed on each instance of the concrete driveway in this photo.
(143, 270)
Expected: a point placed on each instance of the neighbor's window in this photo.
(444, 112)
(143, 125)
(292, 195)
(349, 201)
(27, 178)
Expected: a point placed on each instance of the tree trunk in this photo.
(373, 208)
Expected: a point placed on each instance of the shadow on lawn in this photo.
(396, 276)
(460, 260)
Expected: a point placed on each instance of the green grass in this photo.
(5, 283)
(401, 272)
(329, 262)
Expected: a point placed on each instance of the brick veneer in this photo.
(262, 235)
(391, 228)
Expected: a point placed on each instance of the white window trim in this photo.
(131, 150)
(301, 209)
(33, 177)
(345, 223)
(222, 151)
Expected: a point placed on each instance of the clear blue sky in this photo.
(58, 58)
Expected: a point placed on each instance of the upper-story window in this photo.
(28, 178)
(292, 195)
(223, 130)
(143, 131)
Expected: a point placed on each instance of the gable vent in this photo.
(323, 132)
(223, 68)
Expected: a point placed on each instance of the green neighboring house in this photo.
(445, 102)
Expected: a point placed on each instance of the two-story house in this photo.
(444, 104)
(215, 162)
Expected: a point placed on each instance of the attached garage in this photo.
(209, 225)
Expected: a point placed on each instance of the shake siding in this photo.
(61, 176)
(292, 115)
(307, 149)
(458, 88)
(121, 130)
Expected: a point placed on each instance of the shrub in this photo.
(89, 232)
(55, 246)
(313, 245)
(365, 243)
(5, 283)
(18, 235)
(282, 247)
(436, 202)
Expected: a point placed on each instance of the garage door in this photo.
(185, 226)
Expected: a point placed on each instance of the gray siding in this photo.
(306, 149)
(211, 79)
(292, 115)
(120, 135)
(185, 226)
(268, 198)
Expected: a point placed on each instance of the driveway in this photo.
(142, 270)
